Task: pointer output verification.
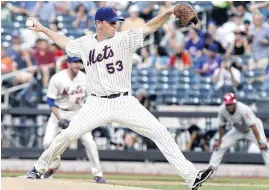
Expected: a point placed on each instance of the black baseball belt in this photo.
(111, 96)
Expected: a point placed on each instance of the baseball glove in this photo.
(63, 123)
(185, 13)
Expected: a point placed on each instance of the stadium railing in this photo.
(6, 91)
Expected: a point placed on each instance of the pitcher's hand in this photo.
(37, 26)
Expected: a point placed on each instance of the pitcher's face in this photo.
(107, 28)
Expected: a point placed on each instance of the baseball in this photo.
(29, 23)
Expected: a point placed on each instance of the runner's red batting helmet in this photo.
(229, 98)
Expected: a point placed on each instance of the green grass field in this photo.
(170, 182)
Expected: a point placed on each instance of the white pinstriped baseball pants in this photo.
(53, 129)
(127, 111)
(232, 136)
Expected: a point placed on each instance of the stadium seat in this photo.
(143, 72)
(8, 28)
(184, 80)
(240, 95)
(152, 80)
(243, 79)
(20, 19)
(173, 73)
(266, 84)
(168, 80)
(5, 43)
(250, 92)
(75, 33)
(265, 89)
(65, 18)
(193, 97)
(16, 3)
(67, 26)
(134, 72)
(170, 97)
(215, 100)
(185, 73)
(7, 38)
(205, 81)
(6, 23)
(162, 73)
(153, 88)
(264, 94)
(182, 95)
(143, 86)
(248, 74)
(258, 85)
(258, 72)
(203, 4)
(244, 59)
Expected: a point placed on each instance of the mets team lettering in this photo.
(66, 91)
(68, 94)
(108, 52)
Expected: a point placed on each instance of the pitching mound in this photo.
(59, 184)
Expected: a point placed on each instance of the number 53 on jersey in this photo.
(113, 67)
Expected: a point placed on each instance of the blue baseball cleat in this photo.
(98, 179)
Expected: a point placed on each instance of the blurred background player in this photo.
(245, 125)
(66, 93)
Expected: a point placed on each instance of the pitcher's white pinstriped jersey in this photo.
(242, 118)
(68, 94)
(108, 63)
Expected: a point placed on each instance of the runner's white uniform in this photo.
(108, 66)
(69, 96)
(241, 120)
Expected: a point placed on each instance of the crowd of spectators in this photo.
(231, 30)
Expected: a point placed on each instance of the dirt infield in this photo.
(209, 183)
(9, 183)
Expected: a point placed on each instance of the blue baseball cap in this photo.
(107, 14)
(212, 22)
(73, 59)
(213, 47)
